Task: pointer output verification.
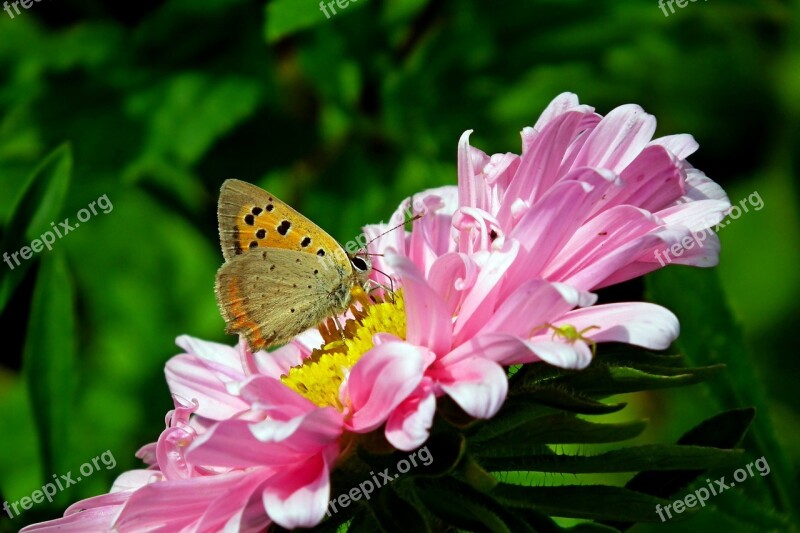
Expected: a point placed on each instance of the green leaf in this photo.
(538, 521)
(186, 114)
(595, 502)
(724, 430)
(555, 429)
(711, 335)
(285, 17)
(608, 355)
(511, 416)
(442, 451)
(396, 515)
(362, 521)
(564, 400)
(617, 354)
(756, 515)
(49, 360)
(462, 506)
(40, 204)
(634, 459)
(606, 381)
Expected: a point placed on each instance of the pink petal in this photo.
(90, 518)
(653, 180)
(173, 505)
(134, 479)
(450, 277)
(575, 355)
(113, 499)
(278, 362)
(617, 139)
(508, 350)
(534, 303)
(699, 249)
(557, 107)
(380, 381)
(697, 215)
(540, 164)
(170, 452)
(643, 324)
(242, 444)
(701, 187)
(274, 398)
(318, 429)
(241, 509)
(480, 301)
(298, 497)
(431, 236)
(193, 378)
(681, 146)
(500, 169)
(474, 227)
(408, 426)
(498, 347)
(231, 445)
(605, 244)
(547, 227)
(427, 319)
(472, 190)
(477, 385)
(219, 356)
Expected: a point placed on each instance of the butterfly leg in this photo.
(372, 285)
(339, 326)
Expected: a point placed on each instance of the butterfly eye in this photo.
(359, 264)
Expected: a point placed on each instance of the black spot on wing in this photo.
(283, 227)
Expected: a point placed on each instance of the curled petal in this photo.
(408, 426)
(380, 381)
(479, 386)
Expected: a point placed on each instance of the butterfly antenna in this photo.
(412, 219)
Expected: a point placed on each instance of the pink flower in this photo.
(592, 201)
(496, 273)
(462, 317)
(186, 487)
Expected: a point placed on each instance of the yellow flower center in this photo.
(321, 375)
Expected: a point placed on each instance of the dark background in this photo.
(154, 104)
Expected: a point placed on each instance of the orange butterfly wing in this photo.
(250, 218)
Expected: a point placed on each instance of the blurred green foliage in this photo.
(154, 104)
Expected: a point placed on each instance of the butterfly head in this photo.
(362, 266)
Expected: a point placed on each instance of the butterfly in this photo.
(282, 273)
